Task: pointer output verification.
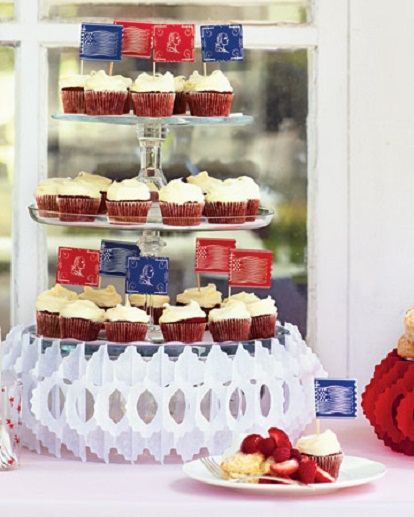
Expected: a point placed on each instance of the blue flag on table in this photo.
(147, 275)
(101, 42)
(335, 398)
(114, 257)
(222, 42)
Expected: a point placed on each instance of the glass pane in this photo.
(272, 86)
(6, 10)
(6, 179)
(288, 11)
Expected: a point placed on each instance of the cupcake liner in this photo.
(330, 463)
(105, 103)
(180, 103)
(230, 330)
(263, 327)
(252, 208)
(219, 212)
(47, 205)
(188, 214)
(128, 212)
(210, 104)
(79, 328)
(73, 100)
(125, 331)
(153, 104)
(78, 208)
(47, 323)
(187, 331)
(127, 104)
(102, 206)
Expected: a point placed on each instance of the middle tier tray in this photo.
(154, 222)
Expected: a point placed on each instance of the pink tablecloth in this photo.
(47, 486)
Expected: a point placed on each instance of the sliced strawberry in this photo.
(251, 444)
(269, 481)
(307, 471)
(267, 446)
(322, 476)
(285, 468)
(280, 437)
(294, 453)
(281, 454)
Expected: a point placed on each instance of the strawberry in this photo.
(267, 446)
(294, 453)
(267, 481)
(251, 444)
(281, 454)
(322, 476)
(307, 471)
(285, 468)
(280, 437)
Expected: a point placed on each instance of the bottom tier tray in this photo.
(115, 402)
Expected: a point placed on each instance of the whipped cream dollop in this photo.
(101, 182)
(226, 192)
(71, 187)
(178, 192)
(125, 313)
(50, 303)
(174, 313)
(73, 81)
(128, 190)
(107, 297)
(179, 83)
(262, 307)
(206, 297)
(247, 184)
(84, 309)
(232, 310)
(150, 83)
(204, 181)
(191, 82)
(59, 292)
(101, 82)
(153, 300)
(319, 444)
(215, 82)
(243, 297)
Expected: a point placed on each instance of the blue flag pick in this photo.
(114, 257)
(147, 275)
(101, 42)
(335, 398)
(222, 42)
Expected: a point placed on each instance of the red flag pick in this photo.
(250, 268)
(213, 255)
(78, 266)
(137, 40)
(174, 43)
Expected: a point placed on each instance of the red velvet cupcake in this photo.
(46, 197)
(81, 319)
(78, 201)
(72, 92)
(153, 95)
(207, 297)
(101, 182)
(230, 323)
(264, 315)
(212, 96)
(126, 324)
(152, 304)
(105, 94)
(323, 448)
(185, 323)
(226, 203)
(181, 204)
(47, 315)
(128, 202)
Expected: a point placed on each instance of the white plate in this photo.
(354, 471)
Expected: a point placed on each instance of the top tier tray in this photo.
(177, 120)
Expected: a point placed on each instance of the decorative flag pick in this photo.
(213, 255)
(174, 43)
(147, 275)
(250, 268)
(114, 257)
(137, 38)
(222, 43)
(78, 266)
(335, 398)
(101, 42)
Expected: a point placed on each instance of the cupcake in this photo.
(78, 201)
(128, 202)
(204, 181)
(181, 204)
(48, 308)
(152, 304)
(242, 297)
(125, 324)
(46, 197)
(226, 203)
(325, 449)
(191, 83)
(105, 94)
(81, 319)
(180, 101)
(72, 92)
(104, 298)
(101, 182)
(153, 96)
(128, 103)
(231, 322)
(207, 297)
(264, 315)
(185, 323)
(211, 96)
(252, 191)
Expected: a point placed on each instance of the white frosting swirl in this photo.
(243, 297)
(174, 313)
(59, 292)
(124, 313)
(319, 444)
(71, 187)
(204, 181)
(248, 185)
(50, 303)
(149, 83)
(215, 82)
(73, 81)
(226, 192)
(101, 82)
(206, 297)
(128, 190)
(191, 82)
(155, 300)
(262, 307)
(178, 192)
(48, 187)
(84, 309)
(107, 297)
(100, 182)
(233, 310)
(179, 83)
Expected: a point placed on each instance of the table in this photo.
(47, 486)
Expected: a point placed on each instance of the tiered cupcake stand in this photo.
(128, 402)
